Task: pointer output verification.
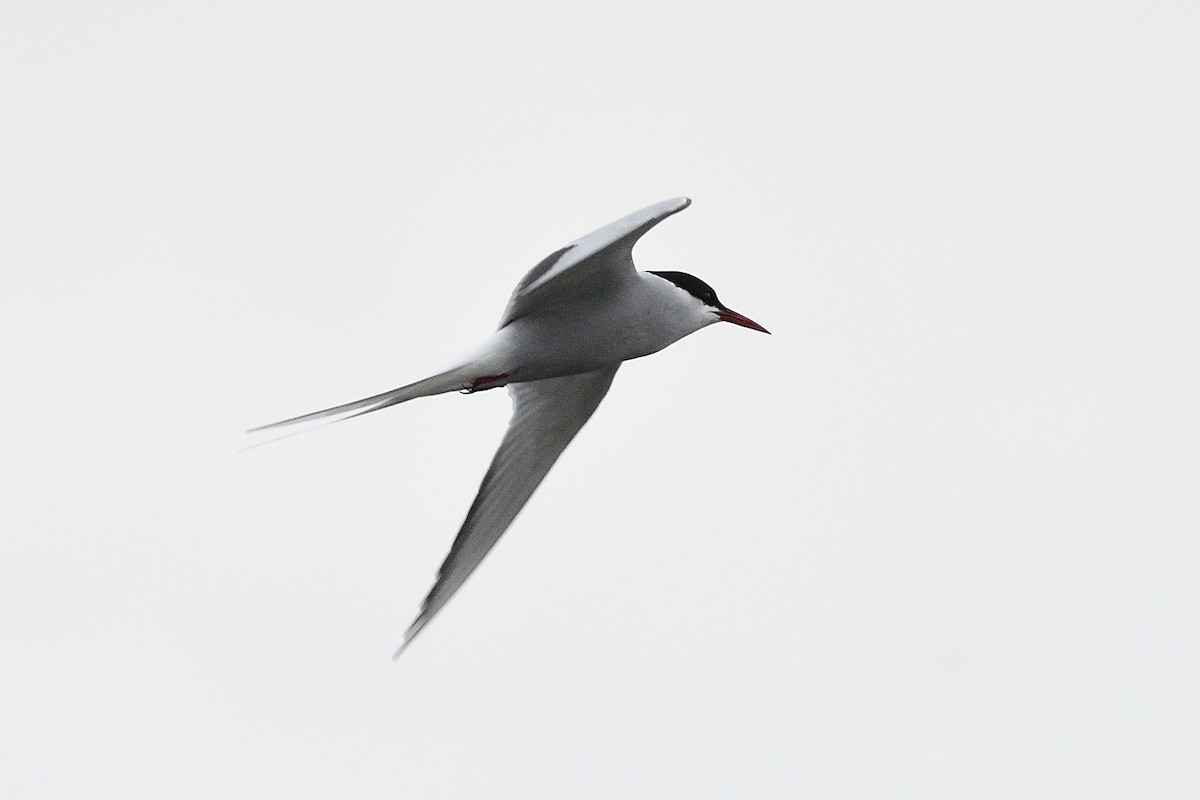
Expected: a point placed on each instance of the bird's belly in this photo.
(551, 347)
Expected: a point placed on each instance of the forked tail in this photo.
(449, 381)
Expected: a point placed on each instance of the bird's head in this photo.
(708, 306)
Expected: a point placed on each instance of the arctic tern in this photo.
(569, 324)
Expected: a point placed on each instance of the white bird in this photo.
(569, 324)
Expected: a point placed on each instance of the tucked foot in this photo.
(485, 382)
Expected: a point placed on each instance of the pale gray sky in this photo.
(935, 538)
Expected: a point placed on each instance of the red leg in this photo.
(481, 383)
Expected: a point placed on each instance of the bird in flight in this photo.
(567, 327)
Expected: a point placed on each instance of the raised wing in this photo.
(601, 258)
(546, 416)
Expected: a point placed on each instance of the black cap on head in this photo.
(692, 285)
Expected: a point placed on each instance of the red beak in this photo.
(737, 319)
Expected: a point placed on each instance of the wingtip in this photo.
(409, 635)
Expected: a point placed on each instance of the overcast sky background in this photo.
(936, 537)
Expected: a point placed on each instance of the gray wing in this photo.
(603, 257)
(546, 416)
